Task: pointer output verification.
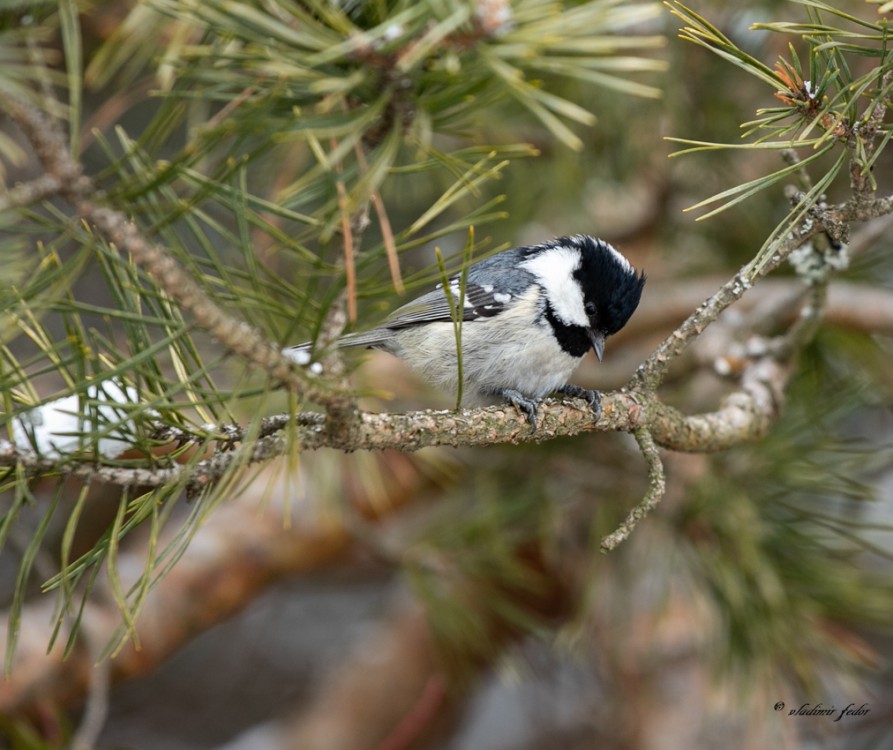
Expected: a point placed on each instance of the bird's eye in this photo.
(589, 308)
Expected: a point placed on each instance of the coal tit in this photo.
(529, 315)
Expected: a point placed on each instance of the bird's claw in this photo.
(529, 407)
(593, 398)
(526, 405)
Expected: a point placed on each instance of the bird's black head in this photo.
(611, 286)
(590, 290)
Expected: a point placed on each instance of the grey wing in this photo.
(483, 298)
(429, 308)
(303, 354)
(432, 307)
(490, 287)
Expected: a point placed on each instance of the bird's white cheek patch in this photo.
(554, 269)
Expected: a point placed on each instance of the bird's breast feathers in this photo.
(498, 352)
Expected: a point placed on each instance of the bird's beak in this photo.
(598, 343)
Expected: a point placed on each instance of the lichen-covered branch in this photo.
(744, 416)
(657, 485)
(651, 373)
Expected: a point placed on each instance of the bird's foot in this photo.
(594, 398)
(523, 404)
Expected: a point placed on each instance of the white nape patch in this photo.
(502, 298)
(554, 269)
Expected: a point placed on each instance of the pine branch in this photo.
(30, 192)
(745, 416)
(832, 220)
(235, 334)
(410, 432)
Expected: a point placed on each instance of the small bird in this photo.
(529, 314)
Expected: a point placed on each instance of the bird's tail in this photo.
(303, 353)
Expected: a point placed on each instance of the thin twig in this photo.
(234, 333)
(831, 219)
(806, 326)
(384, 224)
(350, 266)
(870, 129)
(860, 208)
(652, 372)
(30, 192)
(790, 156)
(49, 144)
(657, 485)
